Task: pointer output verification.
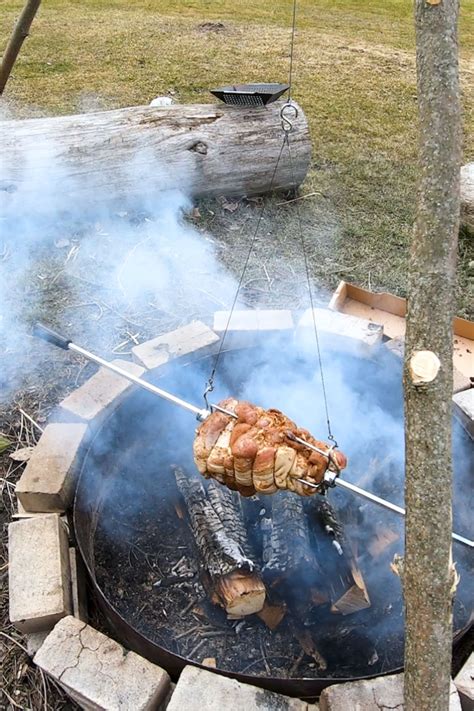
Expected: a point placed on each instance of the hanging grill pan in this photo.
(250, 94)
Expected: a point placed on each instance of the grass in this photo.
(354, 74)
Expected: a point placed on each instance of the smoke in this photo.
(111, 273)
(107, 271)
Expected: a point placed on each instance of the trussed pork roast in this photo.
(252, 453)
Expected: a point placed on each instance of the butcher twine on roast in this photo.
(253, 454)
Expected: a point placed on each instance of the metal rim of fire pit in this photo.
(307, 688)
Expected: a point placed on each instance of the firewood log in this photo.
(232, 578)
(287, 550)
(343, 579)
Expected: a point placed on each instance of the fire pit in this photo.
(132, 529)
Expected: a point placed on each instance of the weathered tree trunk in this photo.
(235, 585)
(19, 34)
(427, 582)
(134, 153)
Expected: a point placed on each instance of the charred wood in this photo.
(287, 553)
(342, 577)
(232, 578)
(228, 506)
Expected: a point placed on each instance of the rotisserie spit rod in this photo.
(50, 336)
(330, 479)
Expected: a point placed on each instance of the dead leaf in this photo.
(196, 213)
(230, 206)
(22, 455)
(433, 2)
(209, 662)
(4, 443)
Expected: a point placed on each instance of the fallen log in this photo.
(343, 579)
(129, 155)
(231, 577)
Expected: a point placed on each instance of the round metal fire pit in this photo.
(130, 529)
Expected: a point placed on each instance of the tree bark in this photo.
(427, 576)
(19, 34)
(132, 154)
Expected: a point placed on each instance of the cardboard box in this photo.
(390, 311)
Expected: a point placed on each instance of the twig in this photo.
(7, 636)
(30, 419)
(302, 197)
(195, 649)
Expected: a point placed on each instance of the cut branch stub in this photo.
(424, 367)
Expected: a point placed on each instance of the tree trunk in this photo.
(428, 390)
(133, 153)
(19, 34)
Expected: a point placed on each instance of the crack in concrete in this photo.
(384, 707)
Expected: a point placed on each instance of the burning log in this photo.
(232, 579)
(205, 150)
(343, 579)
(287, 553)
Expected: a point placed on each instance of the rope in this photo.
(311, 300)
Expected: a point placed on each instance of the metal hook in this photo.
(288, 114)
(209, 389)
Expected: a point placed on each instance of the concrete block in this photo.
(47, 484)
(78, 585)
(396, 346)
(39, 575)
(340, 331)
(460, 381)
(196, 336)
(102, 393)
(464, 409)
(98, 672)
(384, 692)
(199, 690)
(464, 683)
(245, 327)
(34, 640)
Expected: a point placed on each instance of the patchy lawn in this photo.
(354, 75)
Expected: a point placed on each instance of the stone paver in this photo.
(39, 576)
(246, 326)
(341, 331)
(78, 585)
(100, 394)
(34, 640)
(196, 336)
(380, 694)
(464, 683)
(199, 690)
(98, 672)
(47, 484)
